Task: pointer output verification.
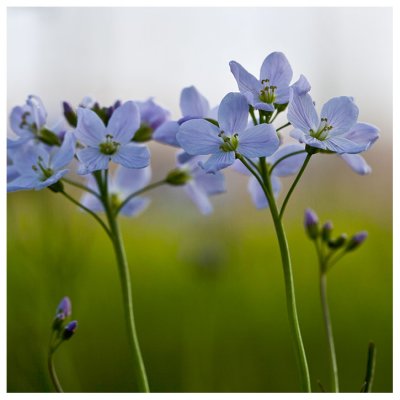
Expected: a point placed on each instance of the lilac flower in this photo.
(337, 130)
(122, 183)
(38, 166)
(201, 137)
(111, 143)
(193, 105)
(199, 185)
(273, 85)
(286, 167)
(27, 120)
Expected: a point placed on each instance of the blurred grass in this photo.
(208, 291)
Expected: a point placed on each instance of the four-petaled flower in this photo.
(111, 142)
(38, 166)
(337, 129)
(27, 120)
(193, 105)
(231, 137)
(122, 183)
(273, 85)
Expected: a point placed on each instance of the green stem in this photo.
(52, 372)
(123, 269)
(137, 193)
(284, 158)
(285, 202)
(288, 277)
(93, 214)
(81, 186)
(283, 126)
(370, 371)
(253, 116)
(328, 329)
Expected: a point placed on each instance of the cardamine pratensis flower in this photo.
(111, 142)
(231, 137)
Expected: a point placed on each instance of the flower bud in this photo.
(338, 242)
(311, 224)
(64, 307)
(326, 231)
(69, 330)
(58, 321)
(70, 114)
(358, 239)
(178, 177)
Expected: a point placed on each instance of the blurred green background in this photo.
(208, 291)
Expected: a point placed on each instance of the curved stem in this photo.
(123, 269)
(283, 126)
(81, 186)
(328, 329)
(137, 193)
(285, 202)
(290, 293)
(288, 277)
(93, 214)
(52, 372)
(284, 158)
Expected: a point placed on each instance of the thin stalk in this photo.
(283, 126)
(284, 158)
(137, 193)
(295, 182)
(93, 214)
(253, 116)
(290, 292)
(288, 278)
(81, 186)
(123, 269)
(52, 371)
(328, 329)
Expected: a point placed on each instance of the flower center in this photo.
(267, 94)
(322, 132)
(24, 124)
(109, 147)
(45, 172)
(230, 143)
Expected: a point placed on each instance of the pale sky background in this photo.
(135, 53)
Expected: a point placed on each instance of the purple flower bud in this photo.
(69, 330)
(311, 224)
(64, 307)
(69, 114)
(357, 240)
(326, 231)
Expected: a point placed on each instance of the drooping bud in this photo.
(311, 224)
(338, 242)
(178, 177)
(70, 114)
(69, 330)
(357, 240)
(326, 231)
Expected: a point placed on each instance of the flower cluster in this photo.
(210, 139)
